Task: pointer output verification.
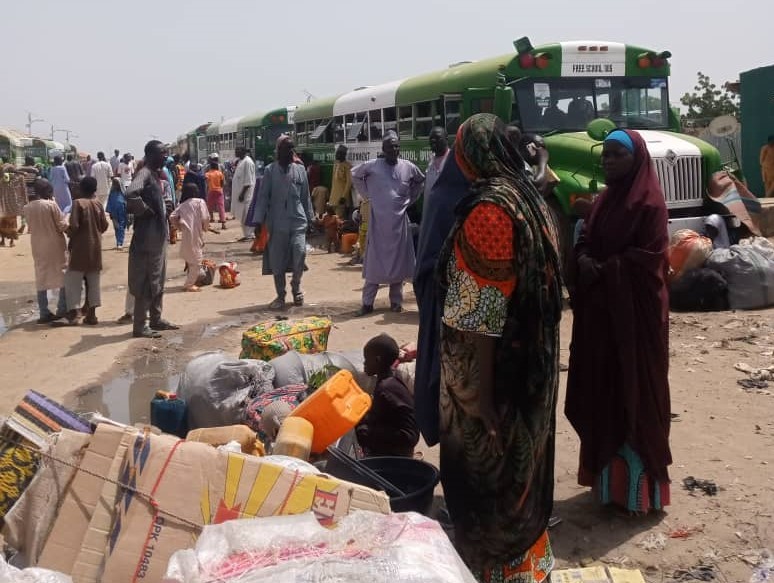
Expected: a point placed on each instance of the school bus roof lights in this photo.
(654, 60)
(535, 61)
(528, 58)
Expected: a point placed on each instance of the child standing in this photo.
(331, 224)
(87, 223)
(389, 428)
(116, 208)
(192, 219)
(49, 248)
(215, 197)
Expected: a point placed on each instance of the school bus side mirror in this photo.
(599, 128)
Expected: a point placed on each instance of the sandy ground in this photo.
(722, 433)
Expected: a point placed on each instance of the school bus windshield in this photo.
(569, 104)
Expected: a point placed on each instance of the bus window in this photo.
(452, 113)
(301, 133)
(482, 105)
(405, 121)
(355, 131)
(438, 113)
(338, 129)
(390, 120)
(349, 119)
(319, 131)
(423, 116)
(569, 104)
(375, 118)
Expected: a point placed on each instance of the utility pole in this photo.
(31, 121)
(67, 134)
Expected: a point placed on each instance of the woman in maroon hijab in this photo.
(618, 390)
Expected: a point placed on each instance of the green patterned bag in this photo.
(272, 339)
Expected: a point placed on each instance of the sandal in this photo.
(277, 304)
(146, 333)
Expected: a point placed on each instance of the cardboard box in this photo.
(28, 523)
(597, 574)
(91, 558)
(64, 542)
(193, 484)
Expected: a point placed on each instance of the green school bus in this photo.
(257, 132)
(558, 90)
(12, 146)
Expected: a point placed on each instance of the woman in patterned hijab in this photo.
(501, 291)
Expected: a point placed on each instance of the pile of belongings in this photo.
(109, 502)
(708, 273)
(87, 499)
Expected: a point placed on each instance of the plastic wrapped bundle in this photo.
(285, 549)
(9, 574)
(216, 388)
(688, 251)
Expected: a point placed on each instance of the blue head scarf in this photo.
(622, 138)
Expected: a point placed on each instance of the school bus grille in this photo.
(681, 180)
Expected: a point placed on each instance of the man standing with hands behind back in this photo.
(285, 207)
(242, 191)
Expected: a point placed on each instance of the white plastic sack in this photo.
(293, 368)
(216, 386)
(749, 270)
(10, 574)
(292, 463)
(365, 546)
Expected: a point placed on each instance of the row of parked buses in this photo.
(257, 132)
(15, 147)
(572, 93)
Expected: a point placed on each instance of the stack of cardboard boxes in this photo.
(136, 498)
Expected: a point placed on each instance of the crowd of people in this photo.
(486, 267)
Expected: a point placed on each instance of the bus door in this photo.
(497, 100)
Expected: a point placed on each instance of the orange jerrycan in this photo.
(334, 409)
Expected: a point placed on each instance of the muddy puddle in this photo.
(17, 311)
(125, 397)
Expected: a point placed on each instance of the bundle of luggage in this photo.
(87, 499)
(709, 273)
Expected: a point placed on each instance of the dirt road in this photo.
(722, 432)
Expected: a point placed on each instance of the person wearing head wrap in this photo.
(242, 185)
(500, 289)
(437, 221)
(391, 185)
(284, 207)
(618, 388)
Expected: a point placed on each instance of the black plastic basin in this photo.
(416, 478)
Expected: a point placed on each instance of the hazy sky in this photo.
(118, 73)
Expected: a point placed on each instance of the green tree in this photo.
(708, 101)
